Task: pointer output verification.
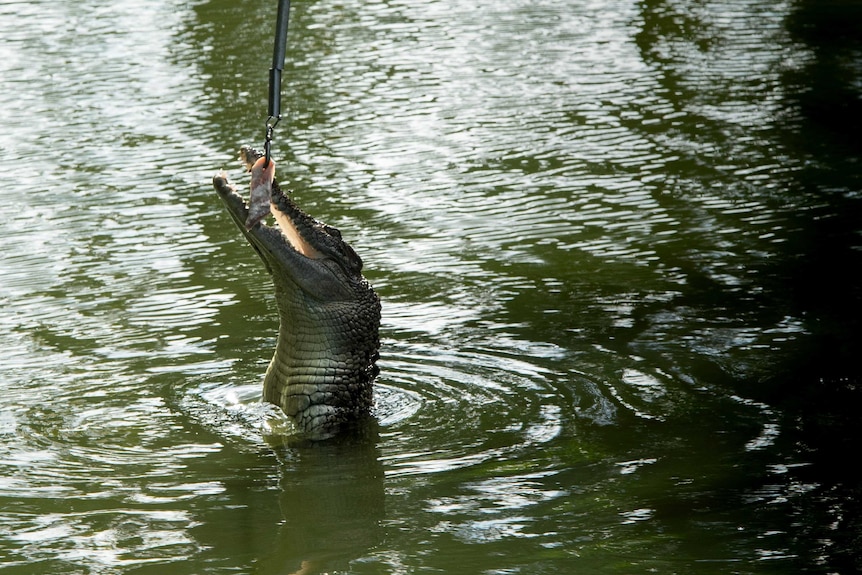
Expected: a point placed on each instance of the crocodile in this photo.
(324, 364)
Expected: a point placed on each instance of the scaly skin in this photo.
(324, 363)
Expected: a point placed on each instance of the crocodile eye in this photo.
(334, 232)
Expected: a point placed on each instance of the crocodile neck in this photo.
(322, 370)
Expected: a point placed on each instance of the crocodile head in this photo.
(324, 363)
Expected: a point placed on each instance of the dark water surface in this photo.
(615, 243)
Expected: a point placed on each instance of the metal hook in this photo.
(267, 143)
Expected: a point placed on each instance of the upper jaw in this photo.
(323, 273)
(239, 210)
(294, 225)
(303, 233)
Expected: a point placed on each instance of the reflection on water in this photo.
(614, 244)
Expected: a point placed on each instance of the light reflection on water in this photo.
(576, 216)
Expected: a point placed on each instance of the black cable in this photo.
(278, 51)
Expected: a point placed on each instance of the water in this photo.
(615, 244)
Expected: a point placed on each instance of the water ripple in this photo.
(567, 210)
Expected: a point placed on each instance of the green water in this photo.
(615, 244)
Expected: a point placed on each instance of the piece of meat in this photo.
(262, 175)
